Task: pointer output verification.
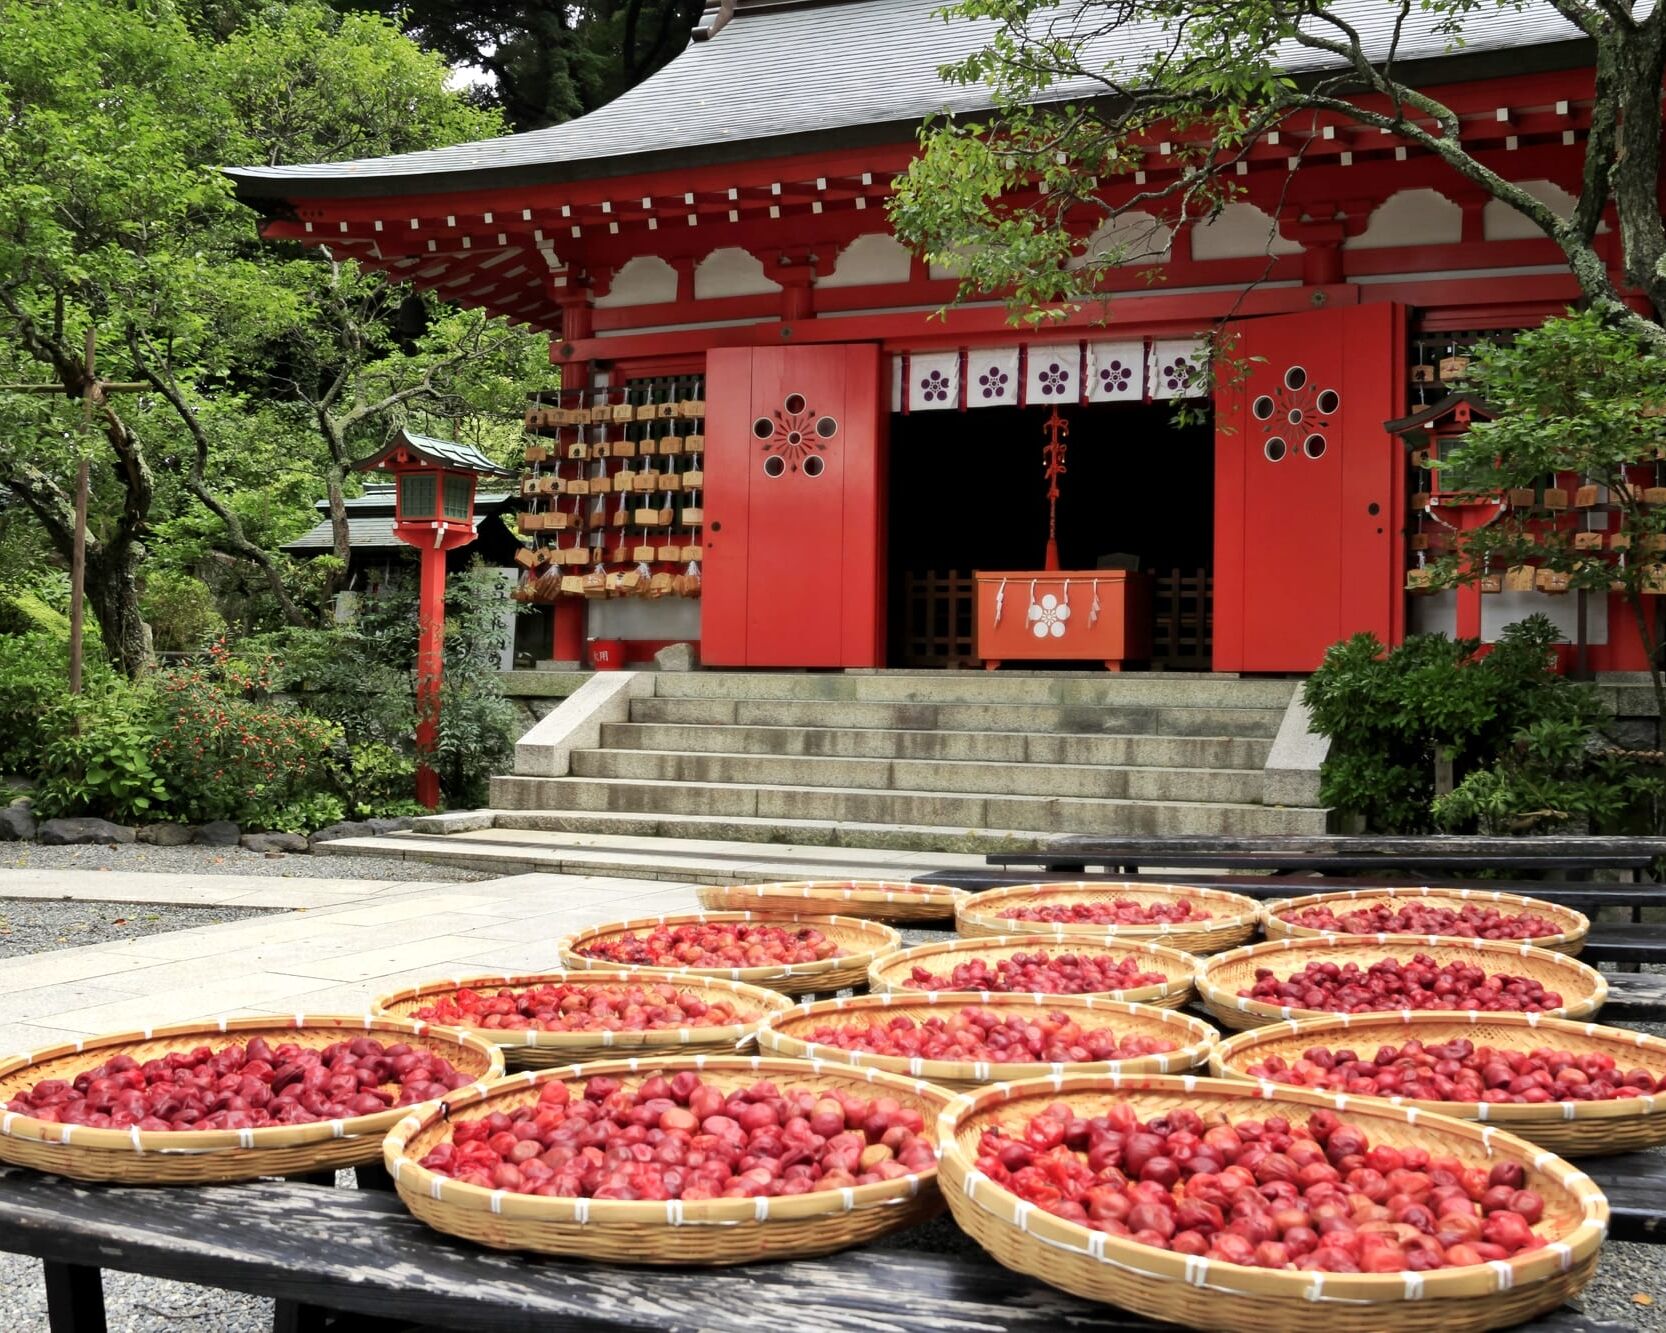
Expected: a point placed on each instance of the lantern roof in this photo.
(1434, 413)
(435, 452)
(770, 77)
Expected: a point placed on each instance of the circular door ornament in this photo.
(1295, 405)
(793, 435)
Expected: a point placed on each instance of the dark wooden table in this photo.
(359, 1253)
(1569, 855)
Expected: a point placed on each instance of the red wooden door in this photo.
(794, 453)
(1309, 487)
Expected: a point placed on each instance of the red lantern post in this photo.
(435, 482)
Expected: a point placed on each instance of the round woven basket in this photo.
(1232, 921)
(787, 1035)
(860, 943)
(1569, 938)
(1213, 1294)
(1571, 1128)
(892, 972)
(1219, 979)
(531, 1048)
(707, 1232)
(870, 899)
(190, 1157)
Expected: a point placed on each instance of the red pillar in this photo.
(430, 663)
(569, 630)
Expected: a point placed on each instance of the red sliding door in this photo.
(794, 478)
(1308, 487)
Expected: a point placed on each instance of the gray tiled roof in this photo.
(834, 73)
(441, 451)
(379, 499)
(363, 534)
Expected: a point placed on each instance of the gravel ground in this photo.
(39, 925)
(194, 860)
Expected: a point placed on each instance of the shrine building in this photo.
(771, 438)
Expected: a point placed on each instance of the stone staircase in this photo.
(948, 762)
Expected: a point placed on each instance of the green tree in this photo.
(1022, 199)
(114, 120)
(1581, 396)
(548, 61)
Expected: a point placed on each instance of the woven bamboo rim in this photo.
(783, 1034)
(535, 1048)
(1233, 918)
(703, 1232)
(1573, 1129)
(177, 1157)
(1213, 1294)
(1575, 926)
(860, 943)
(891, 972)
(871, 899)
(1219, 979)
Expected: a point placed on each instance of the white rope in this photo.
(1093, 612)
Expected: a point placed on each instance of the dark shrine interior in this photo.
(967, 491)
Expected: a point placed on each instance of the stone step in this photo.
(1054, 719)
(958, 812)
(640, 825)
(926, 775)
(520, 851)
(964, 746)
(1145, 689)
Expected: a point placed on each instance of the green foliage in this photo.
(180, 612)
(227, 753)
(305, 814)
(375, 779)
(34, 677)
(96, 758)
(1390, 715)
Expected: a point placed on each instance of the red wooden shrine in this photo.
(721, 230)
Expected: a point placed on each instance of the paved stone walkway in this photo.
(346, 942)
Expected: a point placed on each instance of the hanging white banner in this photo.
(1178, 368)
(1116, 372)
(933, 381)
(1053, 374)
(896, 383)
(992, 377)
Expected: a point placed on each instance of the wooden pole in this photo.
(78, 558)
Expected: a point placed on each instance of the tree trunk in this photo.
(340, 537)
(113, 598)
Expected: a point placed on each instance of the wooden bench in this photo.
(316, 1249)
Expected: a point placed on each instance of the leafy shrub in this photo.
(97, 757)
(180, 612)
(374, 780)
(1391, 714)
(306, 814)
(226, 755)
(34, 675)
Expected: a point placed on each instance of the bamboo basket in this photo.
(785, 1035)
(1570, 939)
(1233, 918)
(891, 973)
(860, 943)
(1213, 1294)
(1571, 1128)
(870, 899)
(1219, 979)
(193, 1157)
(706, 1232)
(532, 1048)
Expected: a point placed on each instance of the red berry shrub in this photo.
(681, 1138)
(715, 944)
(1039, 973)
(1113, 912)
(244, 1087)
(1471, 921)
(1461, 1071)
(565, 1007)
(1421, 983)
(1266, 1193)
(987, 1035)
